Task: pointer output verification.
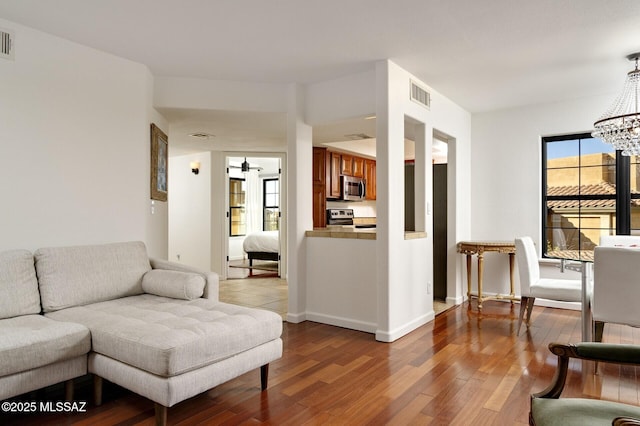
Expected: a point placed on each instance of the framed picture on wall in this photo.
(159, 163)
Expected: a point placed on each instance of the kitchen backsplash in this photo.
(360, 208)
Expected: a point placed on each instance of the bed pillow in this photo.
(174, 284)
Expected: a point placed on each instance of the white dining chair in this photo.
(532, 285)
(615, 288)
(620, 241)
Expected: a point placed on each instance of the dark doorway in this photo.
(440, 231)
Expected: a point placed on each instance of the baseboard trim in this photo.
(455, 300)
(349, 323)
(395, 334)
(296, 318)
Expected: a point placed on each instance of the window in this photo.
(237, 210)
(271, 204)
(589, 191)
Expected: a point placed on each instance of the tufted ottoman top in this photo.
(167, 336)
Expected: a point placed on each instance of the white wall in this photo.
(194, 93)
(74, 146)
(506, 170)
(157, 212)
(189, 211)
(347, 297)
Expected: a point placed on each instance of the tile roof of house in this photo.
(602, 188)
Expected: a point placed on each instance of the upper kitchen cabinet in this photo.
(346, 165)
(333, 172)
(358, 167)
(352, 165)
(370, 179)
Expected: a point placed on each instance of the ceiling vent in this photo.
(6, 44)
(357, 136)
(202, 135)
(420, 95)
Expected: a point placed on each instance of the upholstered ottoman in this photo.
(157, 327)
(169, 350)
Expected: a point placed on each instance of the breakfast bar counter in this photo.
(357, 233)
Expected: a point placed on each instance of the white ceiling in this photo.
(483, 55)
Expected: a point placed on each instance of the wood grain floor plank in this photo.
(463, 368)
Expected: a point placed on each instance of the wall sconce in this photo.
(195, 167)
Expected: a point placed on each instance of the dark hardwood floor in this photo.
(464, 368)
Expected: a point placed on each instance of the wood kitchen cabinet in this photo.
(328, 166)
(319, 188)
(332, 173)
(346, 165)
(351, 165)
(370, 179)
(357, 168)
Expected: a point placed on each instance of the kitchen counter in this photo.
(344, 232)
(357, 233)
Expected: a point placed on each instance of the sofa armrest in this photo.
(212, 282)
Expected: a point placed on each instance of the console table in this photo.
(469, 248)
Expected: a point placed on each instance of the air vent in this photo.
(201, 135)
(6, 44)
(357, 136)
(420, 95)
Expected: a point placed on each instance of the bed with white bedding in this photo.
(263, 245)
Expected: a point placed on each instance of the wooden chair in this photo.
(532, 286)
(548, 409)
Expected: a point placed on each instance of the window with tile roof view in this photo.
(589, 191)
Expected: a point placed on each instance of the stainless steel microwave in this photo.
(352, 188)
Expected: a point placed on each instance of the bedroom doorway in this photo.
(254, 216)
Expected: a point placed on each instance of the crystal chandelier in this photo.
(620, 124)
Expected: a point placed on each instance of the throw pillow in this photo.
(174, 284)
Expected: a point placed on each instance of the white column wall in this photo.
(404, 266)
(219, 223)
(300, 201)
(454, 121)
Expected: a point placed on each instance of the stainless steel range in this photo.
(340, 217)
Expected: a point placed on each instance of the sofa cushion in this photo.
(18, 284)
(71, 276)
(32, 341)
(174, 284)
(167, 336)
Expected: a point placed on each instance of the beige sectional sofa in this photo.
(35, 351)
(156, 328)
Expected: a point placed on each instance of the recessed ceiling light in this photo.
(202, 135)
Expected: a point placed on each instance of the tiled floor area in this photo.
(271, 294)
(265, 293)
